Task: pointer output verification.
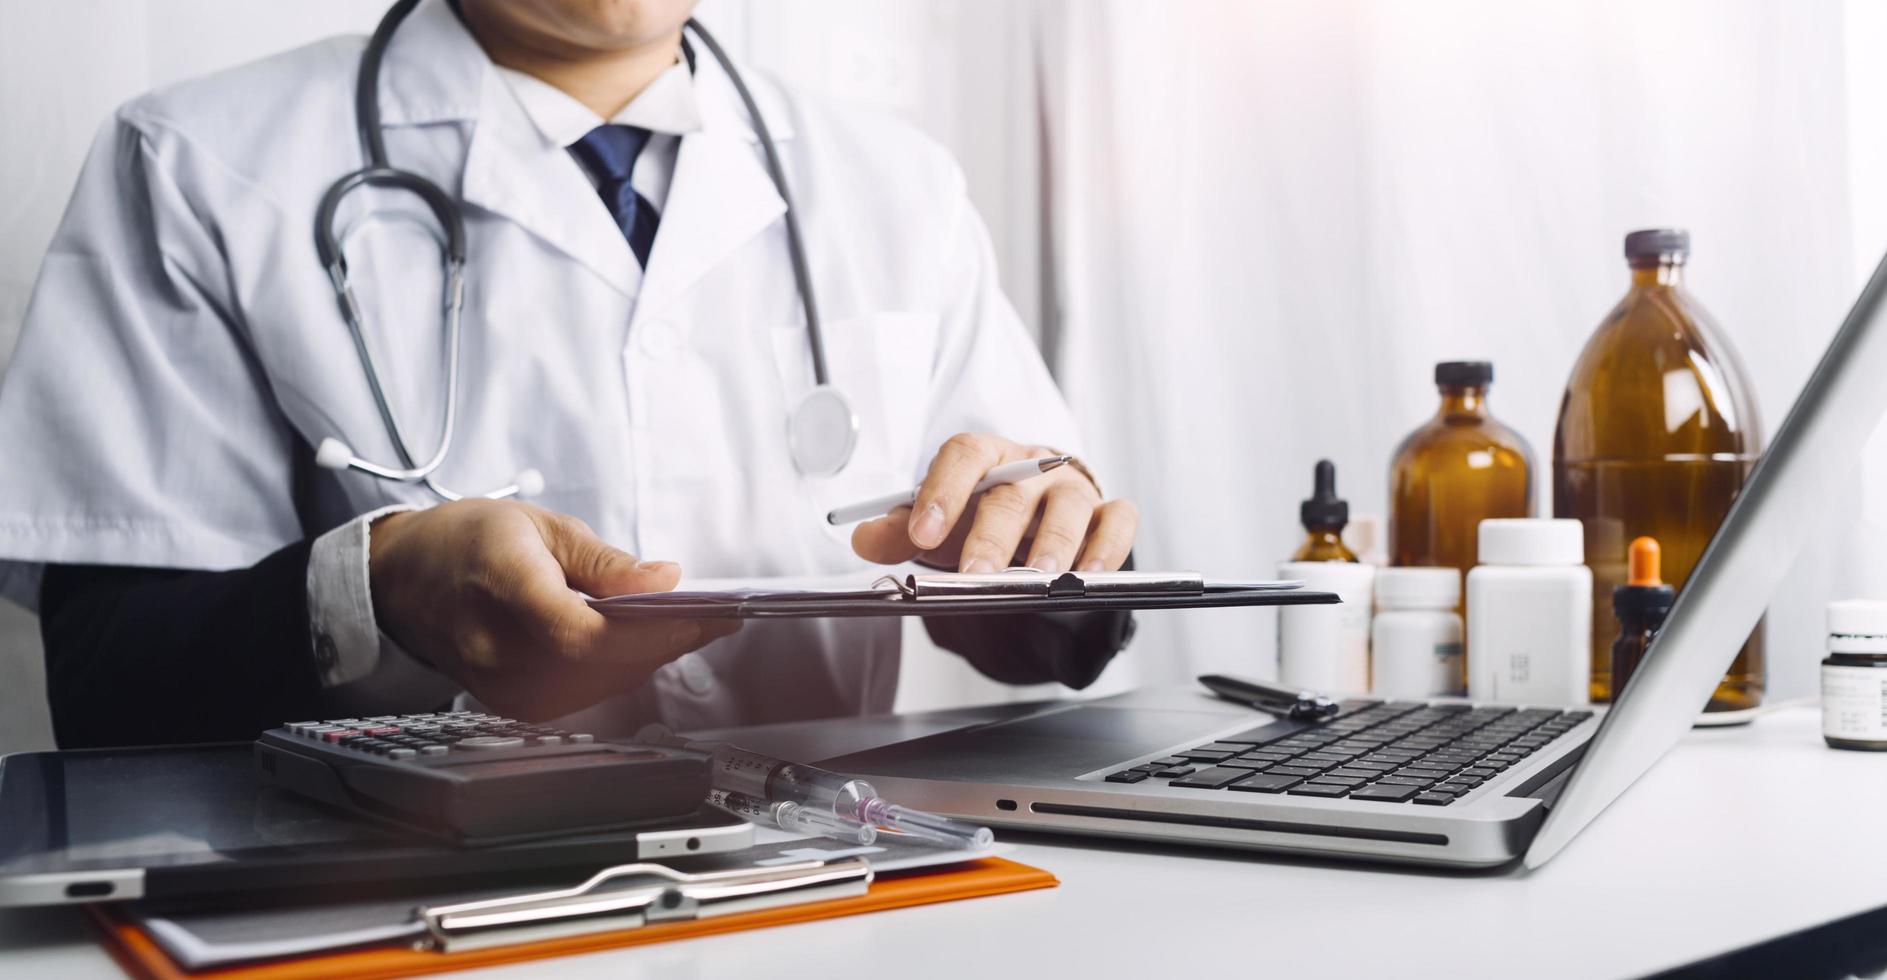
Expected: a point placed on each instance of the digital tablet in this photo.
(183, 822)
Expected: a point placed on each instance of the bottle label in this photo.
(1854, 703)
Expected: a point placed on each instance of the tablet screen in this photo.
(196, 820)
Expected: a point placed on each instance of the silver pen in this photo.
(1016, 472)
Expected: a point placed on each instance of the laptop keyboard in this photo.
(1395, 752)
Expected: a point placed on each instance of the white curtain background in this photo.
(1244, 231)
(1270, 220)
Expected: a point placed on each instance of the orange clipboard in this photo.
(142, 957)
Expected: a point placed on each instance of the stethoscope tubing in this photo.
(379, 172)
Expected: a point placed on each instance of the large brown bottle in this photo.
(1459, 468)
(1656, 435)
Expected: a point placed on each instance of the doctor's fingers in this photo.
(1111, 538)
(545, 690)
(1068, 510)
(1002, 520)
(567, 639)
(944, 495)
(886, 540)
(593, 566)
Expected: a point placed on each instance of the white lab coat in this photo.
(183, 349)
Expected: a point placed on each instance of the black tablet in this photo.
(192, 821)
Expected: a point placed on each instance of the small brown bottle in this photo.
(1657, 433)
(1324, 516)
(1640, 605)
(1458, 469)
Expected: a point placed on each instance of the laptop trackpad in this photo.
(1057, 744)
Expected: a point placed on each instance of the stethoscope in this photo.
(821, 430)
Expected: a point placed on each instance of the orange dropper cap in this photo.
(1642, 561)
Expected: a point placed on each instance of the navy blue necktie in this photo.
(609, 152)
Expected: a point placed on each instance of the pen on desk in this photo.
(1007, 473)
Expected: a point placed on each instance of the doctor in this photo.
(632, 338)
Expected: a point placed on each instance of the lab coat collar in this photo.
(434, 70)
(721, 197)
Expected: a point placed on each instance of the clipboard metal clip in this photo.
(1022, 582)
(598, 906)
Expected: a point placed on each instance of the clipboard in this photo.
(141, 956)
(1014, 591)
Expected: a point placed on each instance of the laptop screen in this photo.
(1820, 441)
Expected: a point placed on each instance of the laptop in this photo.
(1443, 782)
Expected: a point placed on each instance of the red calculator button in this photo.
(336, 736)
(381, 730)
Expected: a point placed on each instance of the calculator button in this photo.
(491, 742)
(402, 754)
(434, 750)
(382, 730)
(550, 740)
(339, 733)
(581, 739)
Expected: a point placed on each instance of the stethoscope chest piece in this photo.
(822, 432)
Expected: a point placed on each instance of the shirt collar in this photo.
(668, 105)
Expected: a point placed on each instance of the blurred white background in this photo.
(1244, 232)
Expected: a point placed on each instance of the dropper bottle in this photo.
(1641, 605)
(1324, 515)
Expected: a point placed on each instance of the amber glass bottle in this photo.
(1656, 434)
(1324, 515)
(1459, 468)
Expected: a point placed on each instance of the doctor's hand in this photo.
(485, 591)
(1053, 522)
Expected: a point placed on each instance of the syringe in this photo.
(766, 778)
(874, 809)
(795, 817)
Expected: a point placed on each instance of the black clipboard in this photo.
(1016, 591)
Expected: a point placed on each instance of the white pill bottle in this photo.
(1415, 639)
(1530, 614)
(1326, 648)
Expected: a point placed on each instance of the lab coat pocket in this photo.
(882, 363)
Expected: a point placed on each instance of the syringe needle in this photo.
(924, 824)
(792, 817)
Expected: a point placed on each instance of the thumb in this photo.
(596, 568)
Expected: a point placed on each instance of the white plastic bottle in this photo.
(1326, 648)
(1415, 640)
(1530, 614)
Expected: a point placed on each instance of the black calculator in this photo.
(480, 779)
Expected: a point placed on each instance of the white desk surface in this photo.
(1739, 836)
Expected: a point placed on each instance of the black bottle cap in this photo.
(1325, 511)
(1645, 603)
(1464, 374)
(1653, 243)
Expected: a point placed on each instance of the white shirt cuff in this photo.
(347, 641)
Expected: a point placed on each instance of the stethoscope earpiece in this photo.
(333, 454)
